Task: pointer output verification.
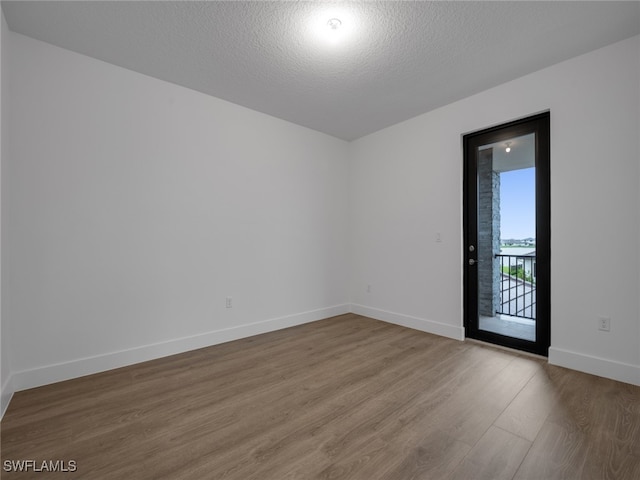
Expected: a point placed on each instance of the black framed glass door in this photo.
(507, 234)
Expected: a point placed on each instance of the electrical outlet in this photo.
(368, 288)
(604, 324)
(229, 302)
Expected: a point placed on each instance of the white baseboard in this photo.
(429, 326)
(6, 393)
(622, 372)
(36, 377)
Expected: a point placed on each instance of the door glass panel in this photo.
(507, 237)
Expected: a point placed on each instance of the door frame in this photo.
(540, 125)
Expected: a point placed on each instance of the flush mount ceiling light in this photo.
(334, 23)
(508, 149)
(333, 26)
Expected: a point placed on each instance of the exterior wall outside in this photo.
(488, 235)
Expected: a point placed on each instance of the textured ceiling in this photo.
(394, 60)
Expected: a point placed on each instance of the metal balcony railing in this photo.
(517, 285)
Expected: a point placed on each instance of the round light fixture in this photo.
(508, 149)
(334, 23)
(331, 26)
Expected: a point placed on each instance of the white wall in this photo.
(6, 390)
(406, 186)
(136, 206)
(132, 207)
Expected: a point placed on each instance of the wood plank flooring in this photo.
(344, 398)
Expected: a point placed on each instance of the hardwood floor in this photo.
(342, 398)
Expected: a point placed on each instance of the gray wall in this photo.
(488, 234)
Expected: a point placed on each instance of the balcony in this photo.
(517, 286)
(516, 310)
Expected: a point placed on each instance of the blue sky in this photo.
(518, 204)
